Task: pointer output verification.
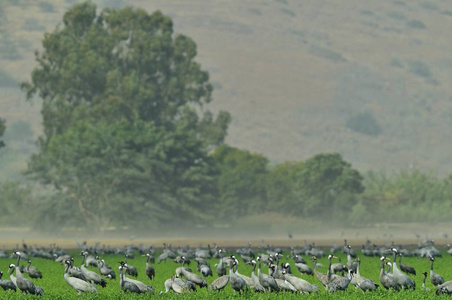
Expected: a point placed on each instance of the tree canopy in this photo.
(126, 132)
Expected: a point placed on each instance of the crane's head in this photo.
(17, 253)
(425, 274)
(12, 266)
(286, 265)
(314, 258)
(383, 258)
(331, 256)
(394, 250)
(431, 258)
(389, 264)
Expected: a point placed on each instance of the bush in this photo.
(364, 123)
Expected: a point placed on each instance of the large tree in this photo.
(126, 132)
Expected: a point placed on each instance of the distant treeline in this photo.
(322, 187)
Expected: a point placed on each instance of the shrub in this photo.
(364, 123)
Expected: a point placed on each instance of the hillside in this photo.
(298, 77)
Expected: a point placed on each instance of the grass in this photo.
(55, 286)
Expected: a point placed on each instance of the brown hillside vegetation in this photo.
(293, 74)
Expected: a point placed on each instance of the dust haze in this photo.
(298, 78)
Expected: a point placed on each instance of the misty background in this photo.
(339, 111)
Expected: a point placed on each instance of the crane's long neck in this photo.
(431, 265)
(259, 267)
(83, 260)
(382, 271)
(357, 268)
(315, 264)
(423, 282)
(394, 258)
(329, 267)
(231, 269)
(17, 260)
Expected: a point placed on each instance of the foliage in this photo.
(327, 186)
(241, 182)
(15, 196)
(365, 123)
(407, 196)
(280, 188)
(126, 135)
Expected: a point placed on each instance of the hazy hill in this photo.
(368, 79)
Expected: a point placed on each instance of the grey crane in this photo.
(445, 288)
(435, 278)
(143, 287)
(24, 284)
(91, 276)
(179, 285)
(125, 285)
(186, 272)
(301, 265)
(150, 270)
(300, 284)
(268, 282)
(340, 283)
(80, 286)
(256, 285)
(406, 268)
(219, 283)
(404, 281)
(423, 282)
(203, 267)
(13, 278)
(221, 268)
(32, 271)
(131, 270)
(338, 267)
(323, 278)
(90, 260)
(365, 284)
(247, 279)
(350, 263)
(283, 284)
(106, 270)
(237, 283)
(386, 278)
(75, 271)
(6, 284)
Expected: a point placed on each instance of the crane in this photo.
(80, 286)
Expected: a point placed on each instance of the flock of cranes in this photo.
(279, 278)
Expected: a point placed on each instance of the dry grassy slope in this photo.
(291, 73)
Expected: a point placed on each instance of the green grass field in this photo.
(55, 286)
